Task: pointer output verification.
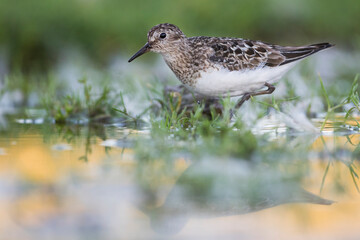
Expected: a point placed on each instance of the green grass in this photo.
(84, 106)
(352, 97)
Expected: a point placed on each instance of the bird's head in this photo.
(162, 38)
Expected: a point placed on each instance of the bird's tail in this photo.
(296, 53)
(307, 197)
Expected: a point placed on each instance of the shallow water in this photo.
(82, 182)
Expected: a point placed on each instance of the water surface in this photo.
(110, 182)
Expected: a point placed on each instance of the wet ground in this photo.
(115, 182)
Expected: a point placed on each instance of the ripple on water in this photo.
(61, 147)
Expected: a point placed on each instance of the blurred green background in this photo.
(34, 33)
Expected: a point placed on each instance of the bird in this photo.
(217, 67)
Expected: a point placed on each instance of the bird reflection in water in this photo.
(217, 188)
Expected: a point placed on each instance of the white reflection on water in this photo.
(2, 151)
(278, 124)
(61, 147)
(30, 121)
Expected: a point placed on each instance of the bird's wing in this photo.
(240, 54)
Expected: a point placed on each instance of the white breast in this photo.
(223, 82)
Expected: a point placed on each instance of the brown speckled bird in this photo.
(221, 66)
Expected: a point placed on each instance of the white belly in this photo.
(223, 82)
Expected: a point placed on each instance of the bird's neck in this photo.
(180, 59)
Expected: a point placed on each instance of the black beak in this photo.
(143, 50)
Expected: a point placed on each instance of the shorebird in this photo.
(221, 66)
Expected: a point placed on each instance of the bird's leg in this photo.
(247, 96)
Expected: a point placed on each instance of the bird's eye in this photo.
(163, 35)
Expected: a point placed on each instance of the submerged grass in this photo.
(353, 98)
(86, 106)
(127, 115)
(350, 162)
